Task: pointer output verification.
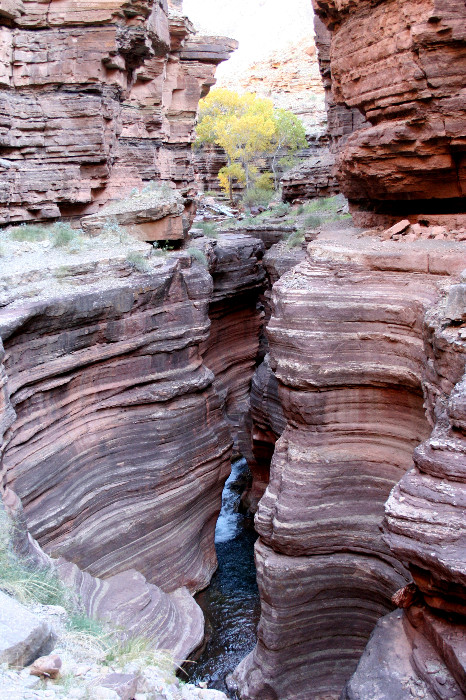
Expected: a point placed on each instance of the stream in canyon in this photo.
(231, 603)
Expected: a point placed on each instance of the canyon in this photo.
(337, 368)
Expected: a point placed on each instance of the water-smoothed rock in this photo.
(233, 343)
(111, 472)
(347, 345)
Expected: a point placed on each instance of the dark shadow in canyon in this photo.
(231, 603)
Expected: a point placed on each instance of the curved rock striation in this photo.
(170, 622)
(119, 449)
(425, 528)
(96, 98)
(264, 425)
(347, 345)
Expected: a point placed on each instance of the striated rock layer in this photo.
(347, 345)
(96, 98)
(170, 622)
(402, 65)
(233, 344)
(113, 427)
(425, 528)
(110, 472)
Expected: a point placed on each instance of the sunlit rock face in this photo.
(348, 348)
(96, 98)
(402, 65)
(119, 449)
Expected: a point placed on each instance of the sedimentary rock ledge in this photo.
(109, 471)
(348, 347)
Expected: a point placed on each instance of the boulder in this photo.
(23, 637)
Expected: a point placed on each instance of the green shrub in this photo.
(295, 240)
(138, 261)
(300, 210)
(19, 579)
(257, 196)
(264, 182)
(199, 256)
(62, 235)
(80, 622)
(281, 209)
(312, 221)
(112, 227)
(28, 232)
(323, 204)
(208, 229)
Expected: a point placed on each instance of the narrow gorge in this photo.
(136, 366)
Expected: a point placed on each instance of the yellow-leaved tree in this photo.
(247, 128)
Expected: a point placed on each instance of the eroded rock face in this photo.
(347, 345)
(169, 621)
(109, 470)
(403, 66)
(230, 351)
(400, 662)
(316, 177)
(115, 432)
(95, 99)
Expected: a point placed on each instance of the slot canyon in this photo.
(331, 374)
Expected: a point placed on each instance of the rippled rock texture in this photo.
(348, 348)
(96, 98)
(119, 449)
(115, 437)
(171, 622)
(403, 66)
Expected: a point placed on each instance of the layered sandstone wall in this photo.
(402, 65)
(116, 434)
(110, 473)
(236, 322)
(347, 345)
(96, 98)
(423, 646)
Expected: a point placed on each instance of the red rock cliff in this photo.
(403, 66)
(96, 98)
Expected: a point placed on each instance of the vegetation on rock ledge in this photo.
(249, 129)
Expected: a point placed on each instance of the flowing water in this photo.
(231, 603)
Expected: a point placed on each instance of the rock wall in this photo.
(233, 344)
(96, 98)
(101, 380)
(423, 646)
(347, 345)
(114, 430)
(317, 175)
(402, 65)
